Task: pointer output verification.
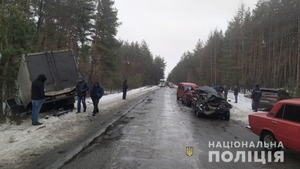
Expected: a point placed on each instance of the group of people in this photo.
(255, 95)
(222, 91)
(96, 93)
(82, 88)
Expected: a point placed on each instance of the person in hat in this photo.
(256, 95)
(125, 87)
(81, 89)
(96, 94)
(37, 98)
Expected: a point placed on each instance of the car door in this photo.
(286, 126)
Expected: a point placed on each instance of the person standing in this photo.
(236, 92)
(221, 91)
(225, 92)
(81, 89)
(256, 95)
(96, 93)
(37, 98)
(125, 87)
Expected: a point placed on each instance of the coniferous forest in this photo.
(261, 46)
(88, 28)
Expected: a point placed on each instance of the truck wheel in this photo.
(269, 139)
(68, 107)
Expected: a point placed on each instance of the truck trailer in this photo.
(60, 87)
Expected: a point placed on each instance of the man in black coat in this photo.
(125, 87)
(96, 94)
(225, 92)
(236, 91)
(37, 97)
(81, 89)
(256, 95)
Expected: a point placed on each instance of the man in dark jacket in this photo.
(125, 87)
(81, 89)
(225, 92)
(96, 93)
(236, 92)
(256, 95)
(37, 97)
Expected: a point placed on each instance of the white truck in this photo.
(61, 71)
(162, 83)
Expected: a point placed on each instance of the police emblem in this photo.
(189, 151)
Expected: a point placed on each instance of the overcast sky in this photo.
(172, 27)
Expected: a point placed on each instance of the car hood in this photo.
(206, 89)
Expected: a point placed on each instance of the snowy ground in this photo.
(240, 110)
(20, 143)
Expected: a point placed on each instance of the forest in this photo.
(261, 46)
(88, 28)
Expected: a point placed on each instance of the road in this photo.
(156, 134)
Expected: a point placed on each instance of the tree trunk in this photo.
(298, 50)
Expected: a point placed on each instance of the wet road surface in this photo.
(156, 133)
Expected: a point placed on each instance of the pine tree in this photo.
(16, 35)
(105, 45)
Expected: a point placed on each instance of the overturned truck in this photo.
(61, 71)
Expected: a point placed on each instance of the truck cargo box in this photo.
(60, 69)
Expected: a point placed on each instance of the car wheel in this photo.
(227, 116)
(269, 139)
(197, 113)
(193, 107)
(189, 103)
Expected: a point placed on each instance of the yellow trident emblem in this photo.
(189, 151)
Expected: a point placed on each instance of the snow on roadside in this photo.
(241, 109)
(21, 143)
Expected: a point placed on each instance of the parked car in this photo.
(208, 102)
(184, 87)
(270, 96)
(280, 124)
(170, 85)
(187, 97)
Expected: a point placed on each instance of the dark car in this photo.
(208, 102)
(270, 96)
(184, 87)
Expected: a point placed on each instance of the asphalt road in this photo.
(157, 132)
